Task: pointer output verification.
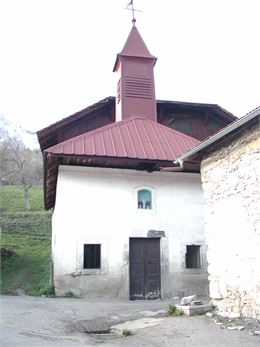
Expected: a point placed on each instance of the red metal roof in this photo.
(134, 47)
(138, 138)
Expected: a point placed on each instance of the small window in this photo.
(183, 125)
(91, 256)
(213, 124)
(193, 257)
(144, 197)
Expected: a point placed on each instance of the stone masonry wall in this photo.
(231, 184)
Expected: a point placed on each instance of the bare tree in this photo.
(20, 165)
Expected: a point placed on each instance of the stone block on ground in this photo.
(195, 309)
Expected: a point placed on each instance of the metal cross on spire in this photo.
(131, 3)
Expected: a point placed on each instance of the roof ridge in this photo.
(125, 121)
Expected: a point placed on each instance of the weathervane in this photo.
(131, 3)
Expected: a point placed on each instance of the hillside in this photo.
(25, 243)
(11, 199)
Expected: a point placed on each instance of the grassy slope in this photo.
(28, 234)
(11, 199)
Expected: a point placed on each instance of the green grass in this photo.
(11, 199)
(29, 268)
(33, 224)
(174, 311)
(28, 235)
(126, 333)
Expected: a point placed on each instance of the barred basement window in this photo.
(92, 256)
(192, 258)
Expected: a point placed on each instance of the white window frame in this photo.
(203, 262)
(103, 256)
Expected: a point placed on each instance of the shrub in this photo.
(174, 311)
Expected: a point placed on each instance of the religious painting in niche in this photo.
(144, 197)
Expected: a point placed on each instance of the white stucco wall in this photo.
(98, 205)
(231, 187)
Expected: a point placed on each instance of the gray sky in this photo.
(57, 56)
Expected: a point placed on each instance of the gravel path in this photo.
(30, 321)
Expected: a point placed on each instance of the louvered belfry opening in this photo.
(135, 87)
(138, 86)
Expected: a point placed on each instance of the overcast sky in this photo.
(57, 56)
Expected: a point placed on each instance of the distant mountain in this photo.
(8, 128)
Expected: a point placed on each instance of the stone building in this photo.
(230, 173)
(127, 222)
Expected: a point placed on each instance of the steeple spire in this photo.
(135, 87)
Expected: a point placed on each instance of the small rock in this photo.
(233, 315)
(196, 303)
(231, 328)
(222, 313)
(209, 314)
(240, 327)
(186, 300)
(236, 327)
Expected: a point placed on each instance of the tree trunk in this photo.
(26, 197)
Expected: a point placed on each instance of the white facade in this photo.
(99, 206)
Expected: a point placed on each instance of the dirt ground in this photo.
(30, 321)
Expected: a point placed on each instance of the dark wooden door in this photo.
(145, 274)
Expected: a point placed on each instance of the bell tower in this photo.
(135, 96)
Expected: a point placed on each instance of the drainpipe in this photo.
(174, 168)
